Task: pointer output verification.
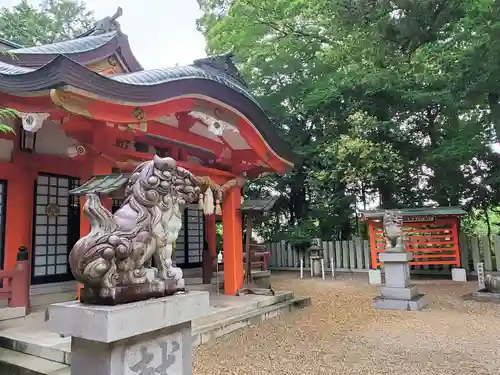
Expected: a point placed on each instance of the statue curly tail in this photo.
(92, 256)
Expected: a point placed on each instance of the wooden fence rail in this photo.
(354, 255)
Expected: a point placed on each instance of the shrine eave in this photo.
(145, 88)
(85, 50)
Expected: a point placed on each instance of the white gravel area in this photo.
(341, 334)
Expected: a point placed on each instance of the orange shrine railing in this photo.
(432, 243)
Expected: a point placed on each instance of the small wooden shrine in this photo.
(431, 234)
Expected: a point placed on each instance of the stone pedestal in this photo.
(316, 266)
(148, 337)
(398, 293)
(374, 277)
(459, 275)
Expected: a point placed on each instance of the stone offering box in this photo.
(147, 337)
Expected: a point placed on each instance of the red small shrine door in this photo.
(431, 242)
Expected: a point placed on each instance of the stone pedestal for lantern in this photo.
(148, 337)
(398, 293)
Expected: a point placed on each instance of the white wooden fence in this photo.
(354, 256)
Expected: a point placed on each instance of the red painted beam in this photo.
(180, 136)
(185, 121)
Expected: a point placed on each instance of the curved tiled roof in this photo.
(163, 75)
(68, 47)
(84, 50)
(146, 87)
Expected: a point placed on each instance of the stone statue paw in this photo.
(174, 273)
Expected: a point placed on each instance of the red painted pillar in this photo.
(19, 210)
(233, 241)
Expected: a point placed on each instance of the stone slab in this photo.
(399, 293)
(107, 324)
(12, 313)
(484, 296)
(374, 277)
(395, 257)
(459, 275)
(415, 304)
(27, 364)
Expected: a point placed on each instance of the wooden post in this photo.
(373, 244)
(210, 249)
(207, 264)
(248, 258)
(21, 281)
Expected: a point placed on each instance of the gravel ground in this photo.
(341, 334)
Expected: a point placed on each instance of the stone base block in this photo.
(374, 277)
(262, 279)
(147, 337)
(415, 304)
(166, 351)
(399, 293)
(459, 275)
(112, 323)
(397, 275)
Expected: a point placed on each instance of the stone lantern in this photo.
(316, 257)
(315, 250)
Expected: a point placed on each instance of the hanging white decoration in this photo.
(208, 208)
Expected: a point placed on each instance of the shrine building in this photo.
(89, 113)
(430, 234)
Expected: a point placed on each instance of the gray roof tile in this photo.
(80, 45)
(13, 69)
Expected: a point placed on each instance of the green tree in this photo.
(7, 113)
(387, 99)
(49, 22)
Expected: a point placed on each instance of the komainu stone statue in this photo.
(114, 260)
(393, 230)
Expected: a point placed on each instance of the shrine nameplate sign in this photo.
(418, 219)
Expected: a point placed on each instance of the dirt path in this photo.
(341, 334)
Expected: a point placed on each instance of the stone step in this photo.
(224, 311)
(57, 350)
(212, 331)
(17, 363)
